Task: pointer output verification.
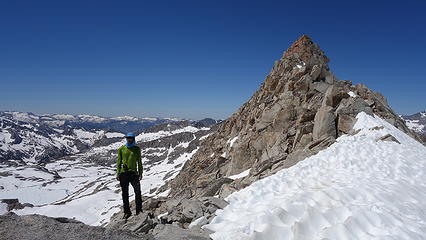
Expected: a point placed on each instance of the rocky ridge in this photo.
(300, 109)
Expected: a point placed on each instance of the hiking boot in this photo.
(138, 212)
(127, 215)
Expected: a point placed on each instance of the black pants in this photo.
(125, 179)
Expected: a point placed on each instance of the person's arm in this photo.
(118, 163)
(140, 167)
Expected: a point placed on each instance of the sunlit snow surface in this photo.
(85, 192)
(358, 188)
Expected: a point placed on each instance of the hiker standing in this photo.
(129, 170)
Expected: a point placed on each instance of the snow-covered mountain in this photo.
(26, 137)
(83, 185)
(417, 122)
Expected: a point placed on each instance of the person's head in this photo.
(130, 138)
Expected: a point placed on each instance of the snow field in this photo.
(358, 188)
(86, 192)
(162, 172)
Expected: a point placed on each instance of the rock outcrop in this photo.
(162, 215)
(300, 108)
(37, 227)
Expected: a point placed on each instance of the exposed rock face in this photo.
(37, 227)
(300, 108)
(14, 203)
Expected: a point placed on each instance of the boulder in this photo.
(330, 78)
(333, 96)
(315, 72)
(213, 203)
(320, 86)
(388, 138)
(192, 209)
(173, 232)
(150, 203)
(213, 187)
(140, 223)
(324, 123)
(345, 123)
(199, 222)
(353, 106)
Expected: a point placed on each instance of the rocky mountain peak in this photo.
(307, 51)
(300, 109)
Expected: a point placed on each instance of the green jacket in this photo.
(129, 159)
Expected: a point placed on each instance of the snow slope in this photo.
(358, 188)
(85, 191)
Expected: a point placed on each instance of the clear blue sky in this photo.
(196, 59)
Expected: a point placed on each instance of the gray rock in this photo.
(140, 223)
(37, 227)
(214, 187)
(388, 138)
(170, 232)
(320, 144)
(315, 72)
(370, 102)
(213, 203)
(192, 209)
(305, 140)
(345, 123)
(330, 78)
(324, 123)
(137, 223)
(151, 203)
(261, 166)
(320, 86)
(333, 96)
(353, 106)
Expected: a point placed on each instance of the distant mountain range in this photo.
(30, 138)
(71, 184)
(417, 122)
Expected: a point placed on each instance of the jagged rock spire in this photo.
(307, 51)
(300, 109)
